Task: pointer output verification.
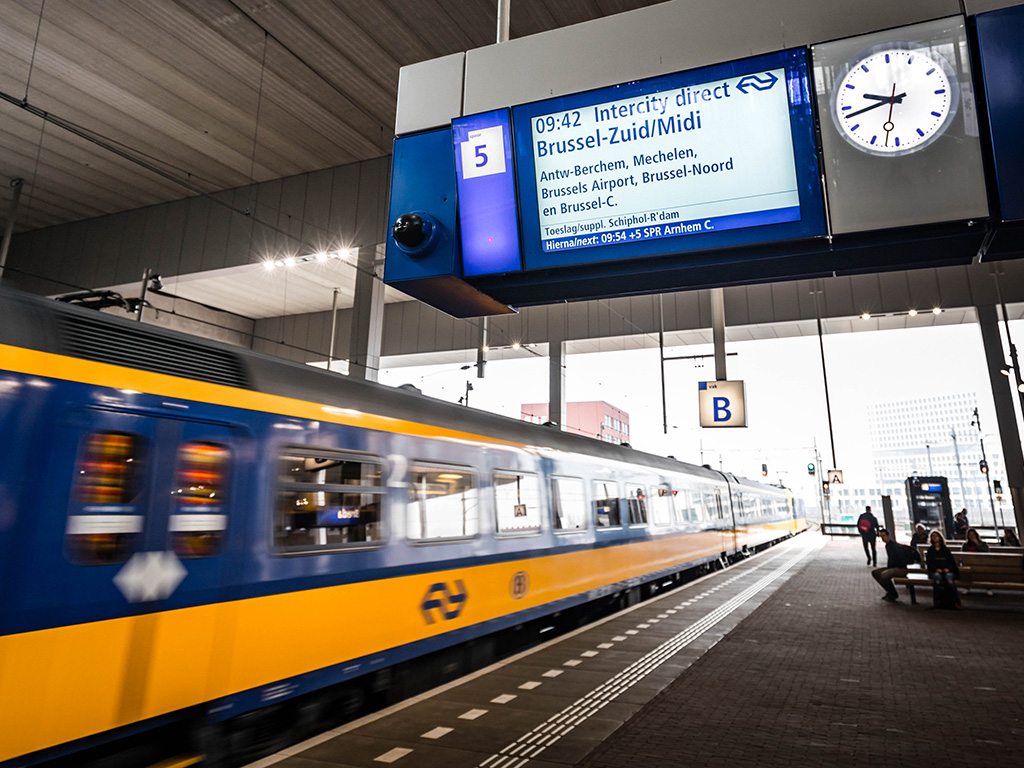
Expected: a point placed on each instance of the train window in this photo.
(711, 508)
(199, 517)
(517, 502)
(105, 523)
(327, 500)
(697, 506)
(443, 503)
(636, 500)
(683, 506)
(661, 505)
(568, 507)
(606, 504)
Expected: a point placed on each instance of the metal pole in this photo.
(1014, 362)
(661, 356)
(142, 297)
(481, 359)
(334, 328)
(824, 376)
(16, 185)
(718, 331)
(928, 448)
(959, 470)
(504, 6)
(988, 480)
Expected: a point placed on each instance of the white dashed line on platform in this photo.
(531, 685)
(436, 733)
(553, 673)
(395, 754)
(473, 714)
(589, 654)
(505, 698)
(571, 663)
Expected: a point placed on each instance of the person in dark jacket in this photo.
(920, 536)
(1009, 538)
(897, 559)
(961, 524)
(867, 526)
(974, 542)
(942, 569)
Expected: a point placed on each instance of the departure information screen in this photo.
(670, 164)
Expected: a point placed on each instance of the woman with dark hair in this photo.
(943, 571)
(1009, 538)
(974, 542)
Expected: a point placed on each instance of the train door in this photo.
(726, 519)
(137, 514)
(193, 483)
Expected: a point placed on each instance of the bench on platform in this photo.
(997, 569)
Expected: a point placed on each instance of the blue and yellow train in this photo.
(192, 532)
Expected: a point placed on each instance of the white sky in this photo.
(784, 391)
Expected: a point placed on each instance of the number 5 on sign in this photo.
(483, 153)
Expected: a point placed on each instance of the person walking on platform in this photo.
(898, 557)
(974, 542)
(867, 526)
(943, 572)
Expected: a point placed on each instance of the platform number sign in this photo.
(484, 178)
(721, 404)
(483, 152)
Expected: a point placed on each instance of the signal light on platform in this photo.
(983, 466)
(810, 469)
(824, 486)
(764, 470)
(997, 487)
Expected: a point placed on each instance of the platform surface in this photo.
(789, 658)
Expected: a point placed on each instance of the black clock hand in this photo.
(887, 126)
(895, 99)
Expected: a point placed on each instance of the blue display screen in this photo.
(485, 179)
(716, 157)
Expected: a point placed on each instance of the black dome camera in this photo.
(411, 230)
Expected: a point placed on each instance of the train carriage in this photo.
(192, 532)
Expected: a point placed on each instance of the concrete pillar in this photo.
(367, 315)
(1009, 436)
(556, 382)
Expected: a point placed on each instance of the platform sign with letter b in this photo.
(721, 404)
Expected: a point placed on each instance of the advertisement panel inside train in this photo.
(717, 157)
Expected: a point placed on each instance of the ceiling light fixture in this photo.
(936, 310)
(912, 313)
(865, 316)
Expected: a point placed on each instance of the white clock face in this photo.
(895, 100)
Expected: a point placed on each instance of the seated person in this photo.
(1009, 538)
(898, 557)
(920, 536)
(974, 542)
(943, 571)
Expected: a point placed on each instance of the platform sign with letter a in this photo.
(835, 477)
(721, 404)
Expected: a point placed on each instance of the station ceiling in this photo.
(111, 105)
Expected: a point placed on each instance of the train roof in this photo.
(46, 325)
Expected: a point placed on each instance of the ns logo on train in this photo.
(444, 601)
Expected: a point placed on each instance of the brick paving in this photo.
(824, 673)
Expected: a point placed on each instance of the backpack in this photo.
(913, 556)
(864, 525)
